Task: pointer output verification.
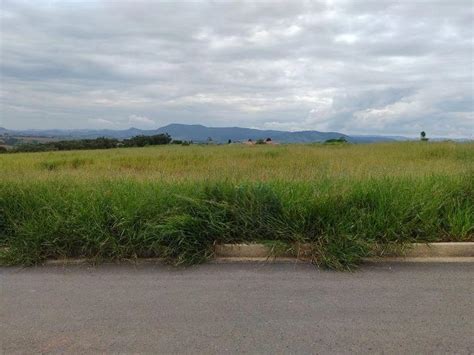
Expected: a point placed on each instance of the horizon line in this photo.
(401, 135)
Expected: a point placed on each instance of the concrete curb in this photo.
(446, 250)
(420, 259)
(260, 251)
(417, 250)
(241, 253)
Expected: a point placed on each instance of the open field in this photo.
(176, 201)
(237, 163)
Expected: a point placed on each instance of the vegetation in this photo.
(141, 141)
(423, 136)
(340, 140)
(98, 143)
(181, 142)
(10, 140)
(176, 202)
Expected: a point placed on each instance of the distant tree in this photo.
(260, 141)
(229, 141)
(3, 149)
(11, 140)
(209, 140)
(339, 140)
(268, 139)
(98, 143)
(423, 136)
(141, 141)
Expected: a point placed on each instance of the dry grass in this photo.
(245, 163)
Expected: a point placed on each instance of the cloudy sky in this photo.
(355, 66)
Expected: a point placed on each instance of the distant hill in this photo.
(223, 134)
(79, 133)
(200, 133)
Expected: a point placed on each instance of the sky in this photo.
(355, 66)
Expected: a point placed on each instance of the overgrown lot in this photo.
(177, 202)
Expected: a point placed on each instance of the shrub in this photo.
(141, 141)
(340, 140)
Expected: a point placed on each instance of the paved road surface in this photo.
(235, 308)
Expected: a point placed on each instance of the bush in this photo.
(340, 140)
(141, 141)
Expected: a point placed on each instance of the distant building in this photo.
(260, 141)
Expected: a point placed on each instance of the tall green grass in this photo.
(177, 202)
(343, 219)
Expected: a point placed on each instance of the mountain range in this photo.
(200, 133)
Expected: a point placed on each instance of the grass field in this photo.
(177, 201)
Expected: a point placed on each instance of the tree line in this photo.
(97, 143)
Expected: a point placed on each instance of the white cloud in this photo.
(348, 38)
(101, 122)
(141, 121)
(352, 66)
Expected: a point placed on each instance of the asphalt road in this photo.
(238, 308)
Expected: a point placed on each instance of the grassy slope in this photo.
(177, 201)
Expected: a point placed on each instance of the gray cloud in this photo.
(366, 67)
